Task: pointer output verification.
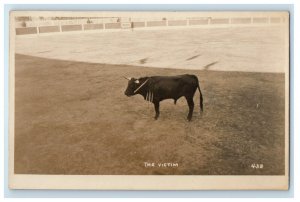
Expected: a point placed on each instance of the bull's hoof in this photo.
(155, 118)
(189, 118)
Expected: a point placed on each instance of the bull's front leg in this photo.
(156, 106)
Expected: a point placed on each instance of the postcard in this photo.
(149, 100)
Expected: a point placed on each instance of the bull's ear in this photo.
(137, 81)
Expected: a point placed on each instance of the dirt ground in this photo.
(73, 118)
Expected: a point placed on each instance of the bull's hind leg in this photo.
(190, 102)
(156, 106)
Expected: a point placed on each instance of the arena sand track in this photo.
(251, 49)
(73, 118)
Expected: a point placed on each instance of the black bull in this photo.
(157, 88)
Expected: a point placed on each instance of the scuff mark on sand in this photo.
(206, 67)
(195, 56)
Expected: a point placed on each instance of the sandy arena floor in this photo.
(259, 49)
(73, 118)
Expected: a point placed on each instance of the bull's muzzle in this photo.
(127, 94)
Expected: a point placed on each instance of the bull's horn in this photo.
(137, 81)
(127, 78)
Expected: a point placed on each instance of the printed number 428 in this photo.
(257, 166)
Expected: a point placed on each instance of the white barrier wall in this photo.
(56, 26)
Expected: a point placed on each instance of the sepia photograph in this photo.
(183, 100)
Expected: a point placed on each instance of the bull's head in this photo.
(133, 84)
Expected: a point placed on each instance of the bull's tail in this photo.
(201, 98)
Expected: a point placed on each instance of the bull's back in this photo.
(176, 81)
(174, 86)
